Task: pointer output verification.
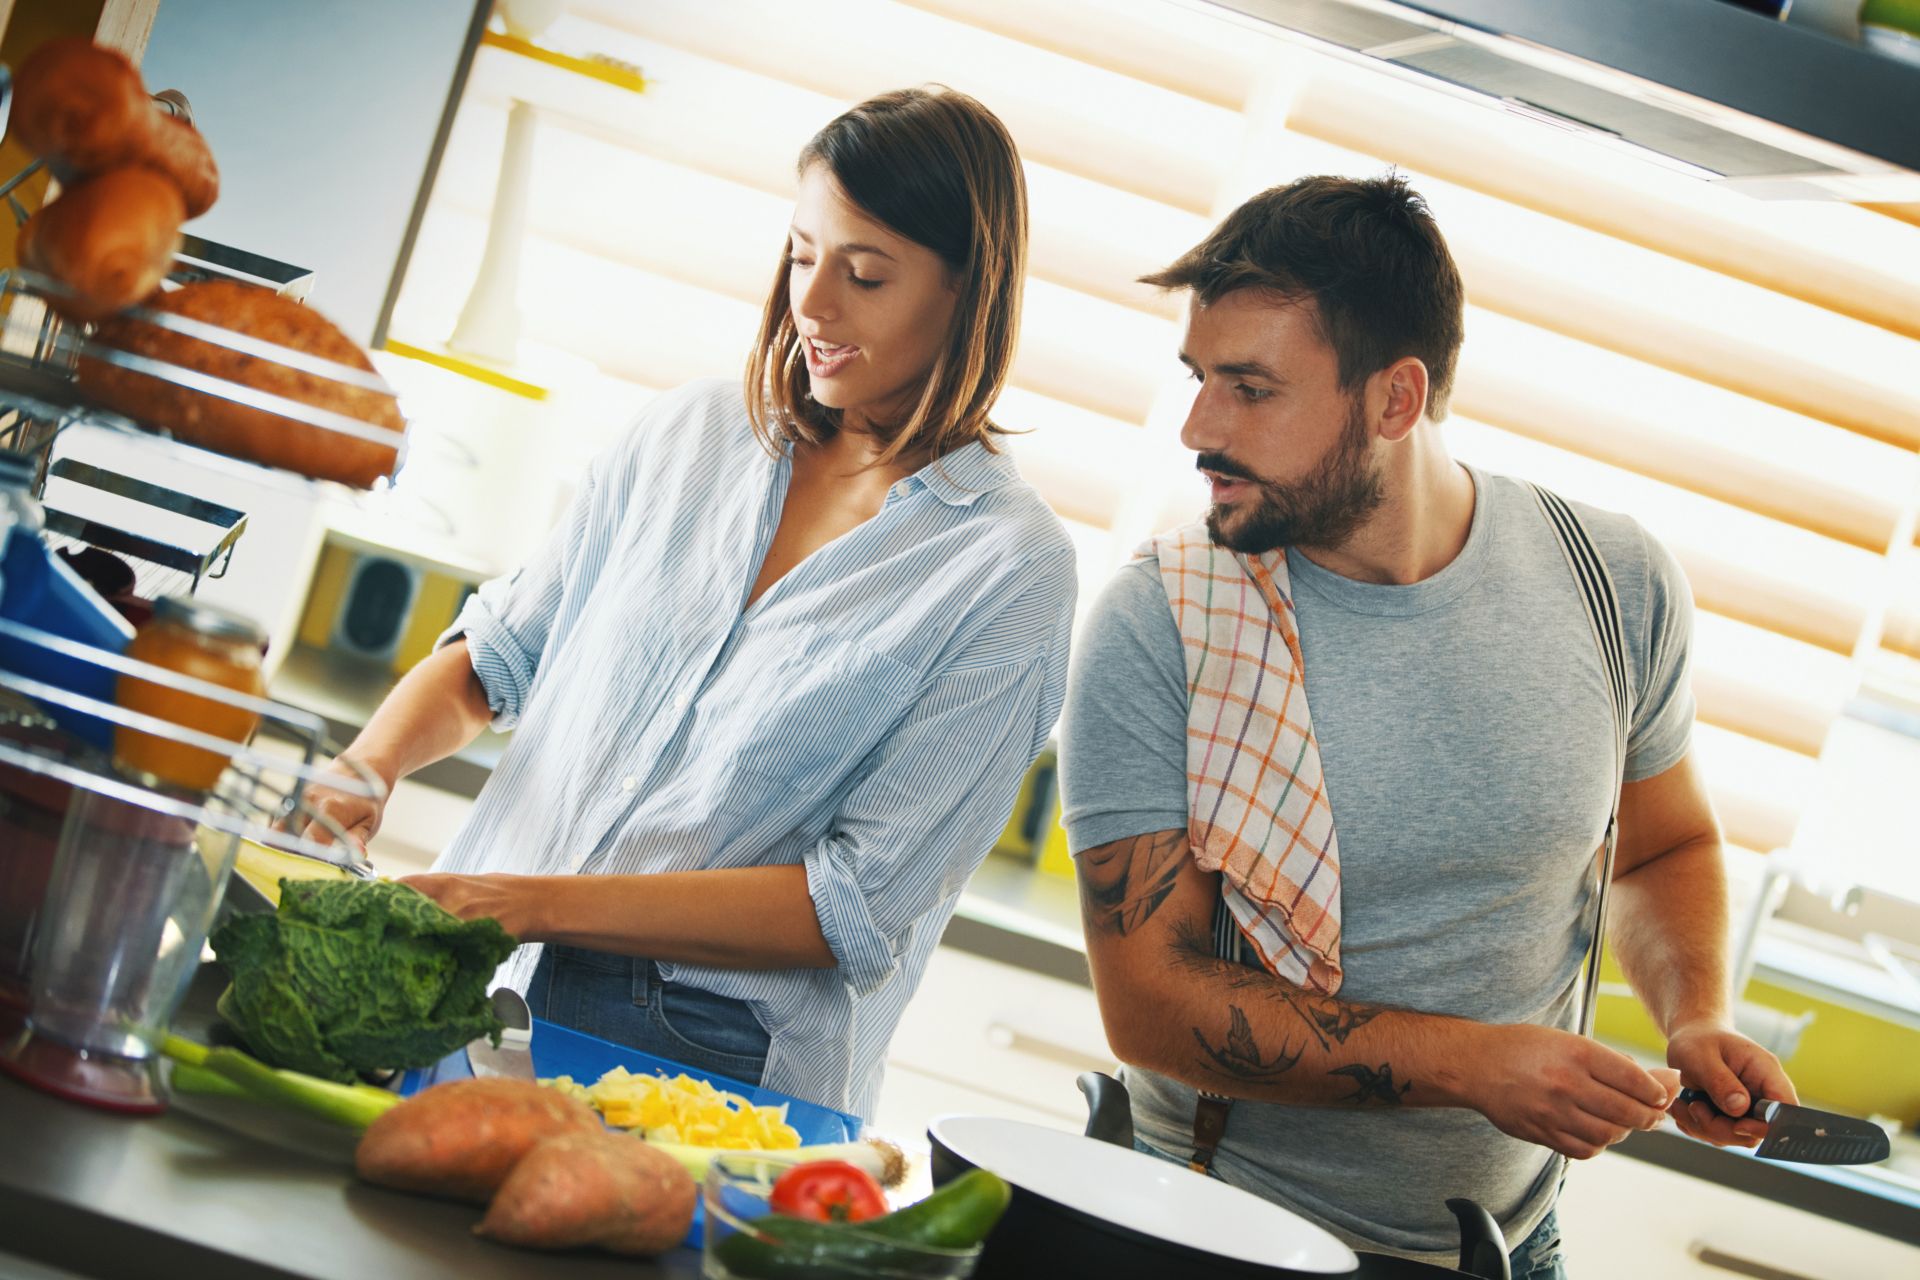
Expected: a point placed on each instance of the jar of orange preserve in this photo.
(208, 644)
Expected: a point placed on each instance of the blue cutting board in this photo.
(560, 1051)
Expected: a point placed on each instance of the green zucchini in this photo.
(954, 1218)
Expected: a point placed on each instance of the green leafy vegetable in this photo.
(363, 975)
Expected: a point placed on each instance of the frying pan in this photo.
(1090, 1205)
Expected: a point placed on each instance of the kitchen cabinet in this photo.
(989, 1038)
(1626, 1217)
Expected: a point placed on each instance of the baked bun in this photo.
(109, 240)
(83, 105)
(227, 426)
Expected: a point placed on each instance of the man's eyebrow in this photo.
(1248, 369)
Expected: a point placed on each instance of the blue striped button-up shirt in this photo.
(869, 717)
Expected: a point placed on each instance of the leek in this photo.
(352, 1106)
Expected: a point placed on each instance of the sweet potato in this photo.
(603, 1189)
(461, 1138)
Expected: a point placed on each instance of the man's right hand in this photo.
(359, 816)
(1565, 1091)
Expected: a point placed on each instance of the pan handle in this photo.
(1109, 1111)
(1483, 1250)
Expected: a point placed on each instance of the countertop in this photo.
(1011, 913)
(89, 1193)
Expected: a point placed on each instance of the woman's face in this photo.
(871, 306)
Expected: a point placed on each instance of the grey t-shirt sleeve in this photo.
(1123, 740)
(1663, 707)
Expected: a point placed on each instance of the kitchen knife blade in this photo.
(513, 1060)
(1805, 1135)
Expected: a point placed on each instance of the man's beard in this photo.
(1322, 510)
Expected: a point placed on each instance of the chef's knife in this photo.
(514, 1058)
(1807, 1136)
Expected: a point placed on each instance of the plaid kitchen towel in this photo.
(1257, 802)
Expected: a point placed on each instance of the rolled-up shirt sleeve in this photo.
(923, 816)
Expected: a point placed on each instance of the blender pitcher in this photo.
(133, 891)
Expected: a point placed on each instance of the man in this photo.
(1392, 1027)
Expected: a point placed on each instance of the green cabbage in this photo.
(361, 975)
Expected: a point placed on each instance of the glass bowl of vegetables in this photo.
(828, 1220)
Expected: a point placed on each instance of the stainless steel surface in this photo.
(103, 1196)
(201, 259)
(208, 557)
(1775, 109)
(513, 1059)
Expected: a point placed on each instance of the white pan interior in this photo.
(1149, 1195)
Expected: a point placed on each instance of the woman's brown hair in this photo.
(935, 166)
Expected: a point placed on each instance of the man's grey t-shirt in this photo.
(1467, 744)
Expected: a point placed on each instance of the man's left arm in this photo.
(1669, 933)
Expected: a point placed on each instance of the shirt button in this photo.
(579, 860)
(627, 783)
(680, 702)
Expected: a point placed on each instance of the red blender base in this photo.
(86, 1076)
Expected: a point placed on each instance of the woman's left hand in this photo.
(503, 897)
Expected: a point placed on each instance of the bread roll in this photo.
(110, 240)
(232, 428)
(175, 148)
(77, 102)
(83, 105)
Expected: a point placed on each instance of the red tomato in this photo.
(828, 1191)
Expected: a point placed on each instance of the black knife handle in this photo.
(1700, 1095)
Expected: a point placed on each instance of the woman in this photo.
(775, 679)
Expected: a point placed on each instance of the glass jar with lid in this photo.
(206, 643)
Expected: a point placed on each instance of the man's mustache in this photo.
(1221, 465)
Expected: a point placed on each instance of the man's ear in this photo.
(1402, 388)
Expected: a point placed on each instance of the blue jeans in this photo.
(1538, 1257)
(622, 999)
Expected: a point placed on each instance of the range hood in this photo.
(1714, 90)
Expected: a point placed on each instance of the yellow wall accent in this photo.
(433, 607)
(616, 74)
(485, 372)
(31, 24)
(1055, 860)
(1847, 1060)
(325, 595)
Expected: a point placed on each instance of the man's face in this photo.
(1288, 454)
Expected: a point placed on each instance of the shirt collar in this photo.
(963, 475)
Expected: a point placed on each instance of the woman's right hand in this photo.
(359, 816)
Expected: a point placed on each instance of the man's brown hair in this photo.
(1365, 251)
(937, 167)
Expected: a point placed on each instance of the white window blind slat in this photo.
(1836, 256)
(1074, 116)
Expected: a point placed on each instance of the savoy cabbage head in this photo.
(359, 975)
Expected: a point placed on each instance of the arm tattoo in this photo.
(1239, 1058)
(1339, 1020)
(1122, 884)
(1372, 1085)
(1330, 1021)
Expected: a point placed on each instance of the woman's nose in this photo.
(813, 296)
